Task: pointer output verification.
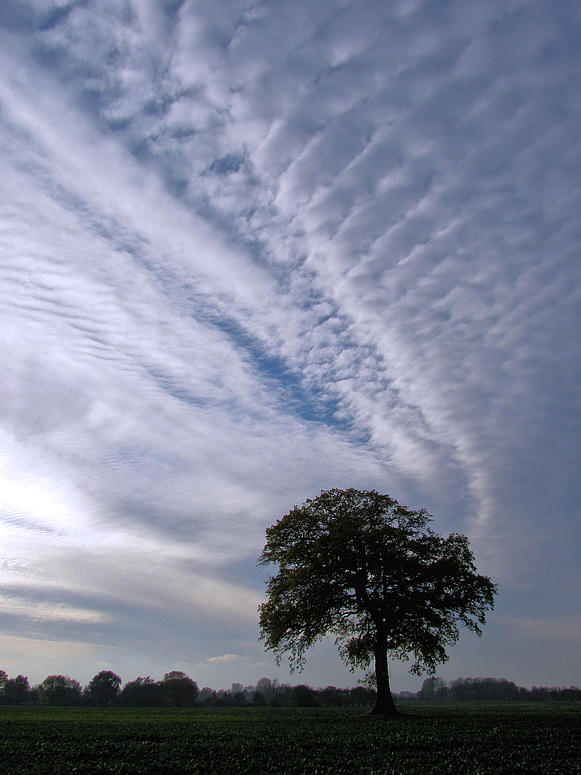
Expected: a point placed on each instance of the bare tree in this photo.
(270, 690)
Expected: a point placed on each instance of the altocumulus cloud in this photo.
(252, 250)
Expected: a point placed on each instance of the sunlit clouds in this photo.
(249, 251)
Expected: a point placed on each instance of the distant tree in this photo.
(142, 693)
(362, 567)
(330, 696)
(103, 689)
(179, 689)
(343, 697)
(207, 696)
(242, 695)
(570, 693)
(304, 696)
(540, 693)
(499, 689)
(474, 689)
(270, 690)
(433, 689)
(17, 690)
(362, 696)
(238, 698)
(258, 698)
(284, 699)
(60, 690)
(405, 695)
(223, 699)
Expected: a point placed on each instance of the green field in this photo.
(464, 739)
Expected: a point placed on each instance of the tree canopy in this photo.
(179, 689)
(359, 566)
(104, 688)
(61, 690)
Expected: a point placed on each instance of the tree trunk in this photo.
(384, 705)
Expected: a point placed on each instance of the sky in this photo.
(253, 250)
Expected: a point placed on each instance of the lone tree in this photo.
(358, 565)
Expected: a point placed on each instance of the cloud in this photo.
(249, 252)
(15, 606)
(227, 658)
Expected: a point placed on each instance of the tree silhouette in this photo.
(358, 565)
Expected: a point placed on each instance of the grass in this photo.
(464, 739)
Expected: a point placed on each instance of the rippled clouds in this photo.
(251, 250)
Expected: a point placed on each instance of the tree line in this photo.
(493, 689)
(177, 689)
(104, 689)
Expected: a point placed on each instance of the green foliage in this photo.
(104, 689)
(142, 693)
(304, 696)
(371, 572)
(179, 689)
(16, 691)
(60, 690)
(468, 689)
(437, 740)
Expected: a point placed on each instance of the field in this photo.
(431, 740)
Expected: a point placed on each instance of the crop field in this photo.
(430, 740)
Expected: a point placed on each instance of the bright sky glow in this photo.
(252, 250)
